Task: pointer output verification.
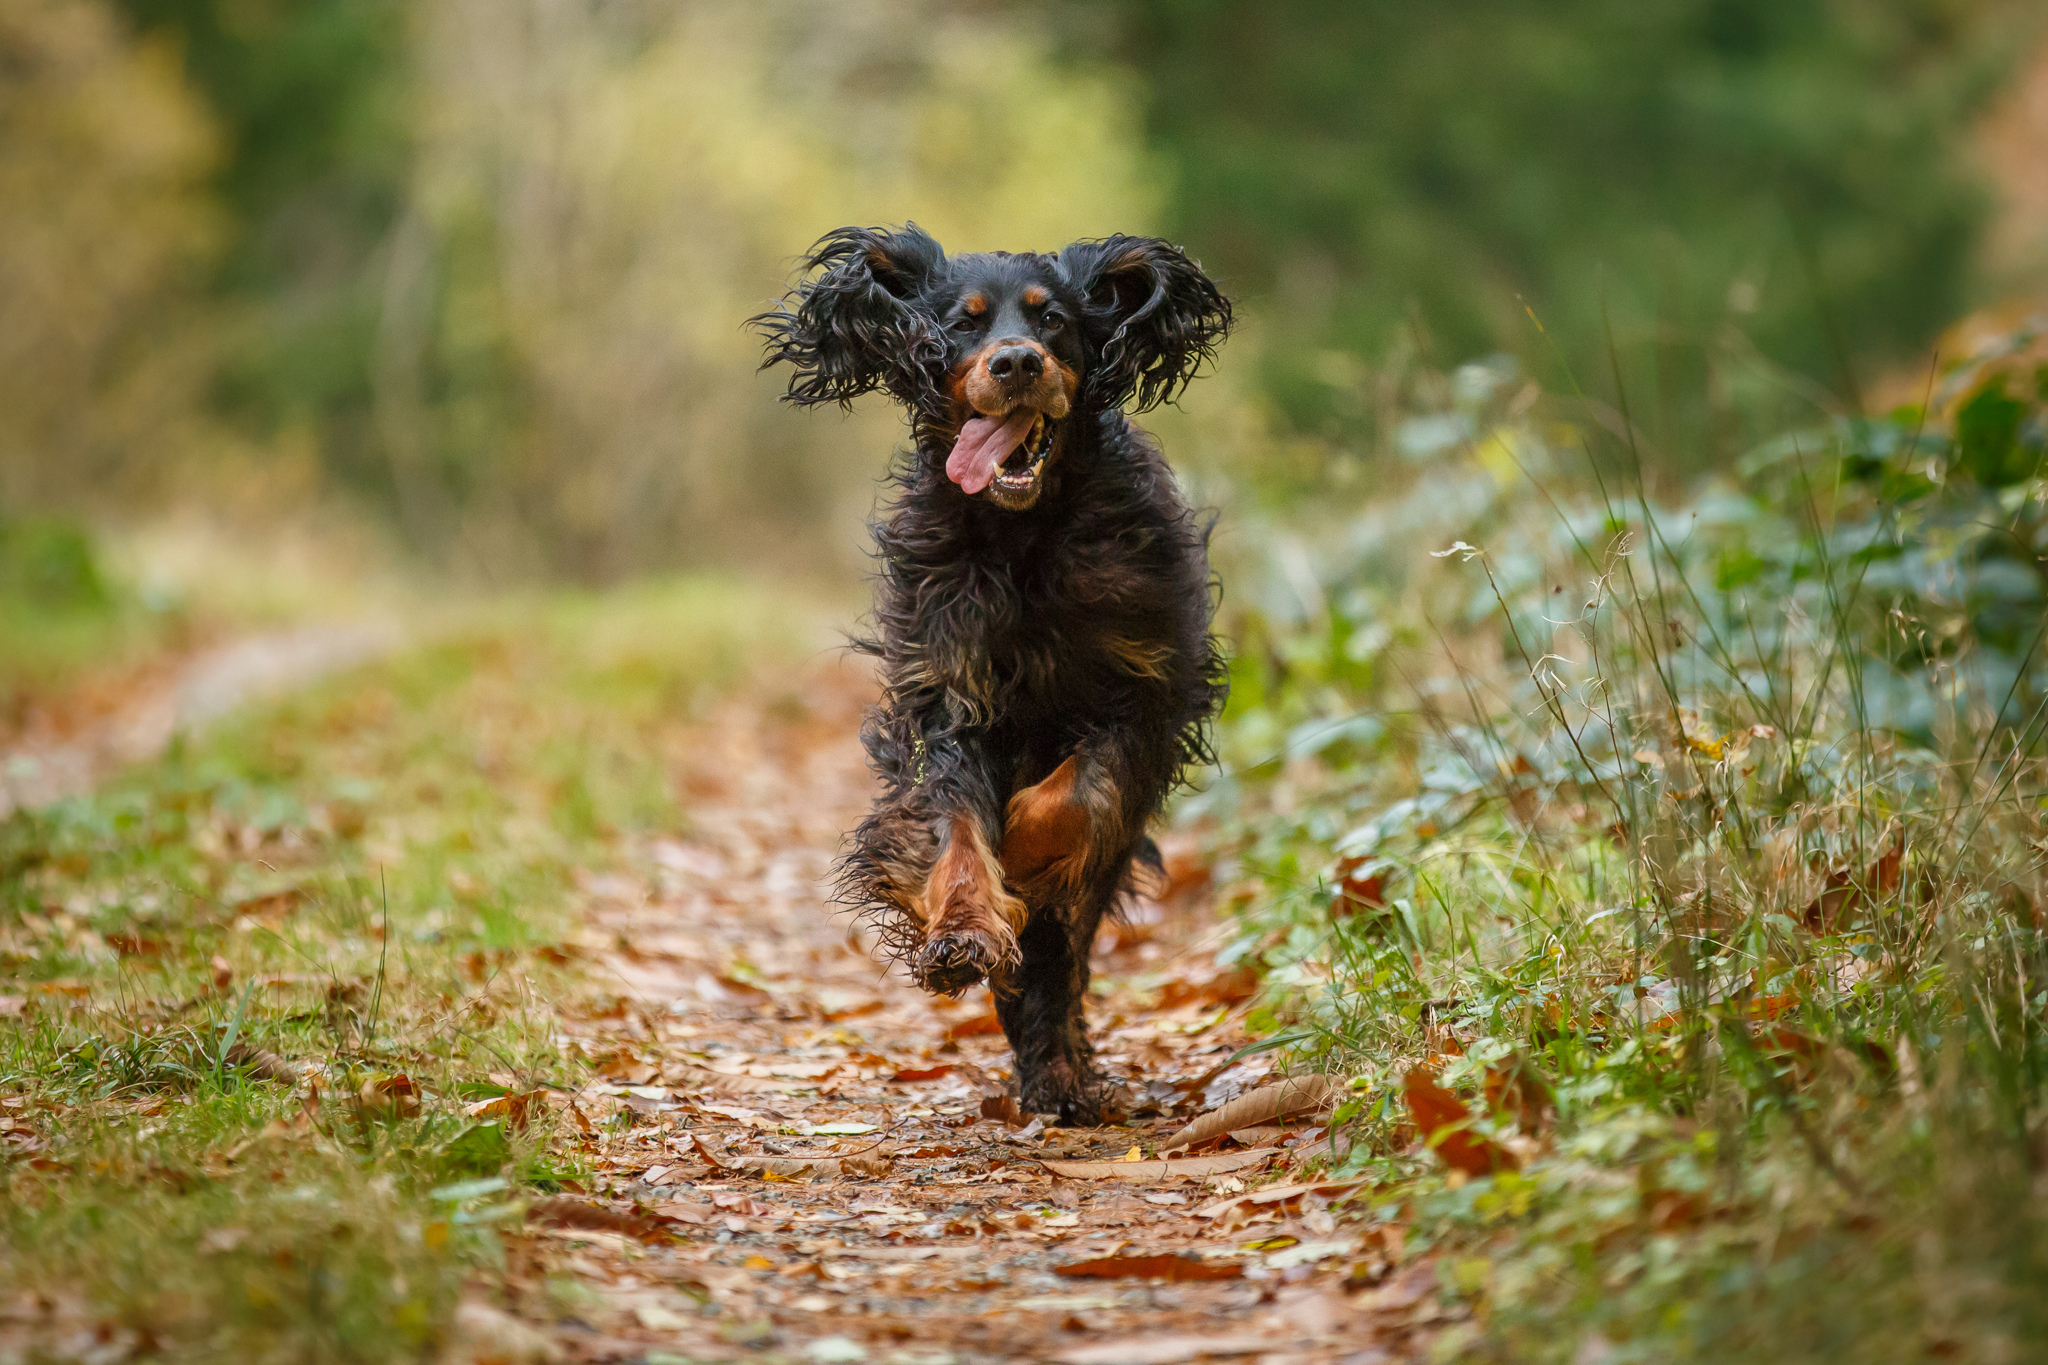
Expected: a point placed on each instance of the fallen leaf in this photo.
(389, 1097)
(1161, 1267)
(1516, 1091)
(1171, 1348)
(562, 1212)
(1195, 1168)
(1441, 1117)
(1231, 986)
(515, 1110)
(1844, 893)
(1004, 1108)
(979, 1026)
(911, 1075)
(1361, 886)
(263, 1065)
(1278, 1194)
(1135, 1154)
(1295, 1095)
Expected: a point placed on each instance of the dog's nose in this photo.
(1017, 365)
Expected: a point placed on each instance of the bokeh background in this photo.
(467, 276)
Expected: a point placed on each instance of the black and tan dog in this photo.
(1044, 604)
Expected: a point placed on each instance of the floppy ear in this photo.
(1152, 315)
(852, 326)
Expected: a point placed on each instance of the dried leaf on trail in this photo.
(1278, 1194)
(1004, 1108)
(1295, 1095)
(819, 1167)
(1161, 1267)
(979, 1026)
(1186, 1168)
(1230, 986)
(1163, 1349)
(1441, 1117)
(515, 1110)
(562, 1212)
(912, 1074)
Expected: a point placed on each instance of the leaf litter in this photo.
(780, 1148)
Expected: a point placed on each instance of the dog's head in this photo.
(996, 355)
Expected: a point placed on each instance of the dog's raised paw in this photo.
(946, 964)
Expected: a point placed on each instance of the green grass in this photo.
(363, 882)
(1720, 816)
(63, 617)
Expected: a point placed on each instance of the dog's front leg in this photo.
(971, 920)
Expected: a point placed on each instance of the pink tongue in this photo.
(984, 444)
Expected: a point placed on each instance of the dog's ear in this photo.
(852, 323)
(1152, 315)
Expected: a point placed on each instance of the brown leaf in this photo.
(563, 1212)
(1361, 886)
(1295, 1095)
(980, 1026)
(1231, 986)
(1843, 893)
(911, 1074)
(1515, 1090)
(1170, 1348)
(1161, 1267)
(1004, 1108)
(1277, 1194)
(789, 1167)
(515, 1109)
(268, 1066)
(1442, 1119)
(389, 1097)
(1195, 1168)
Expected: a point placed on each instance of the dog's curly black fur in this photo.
(1044, 641)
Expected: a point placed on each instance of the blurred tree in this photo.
(1736, 183)
(105, 226)
(312, 98)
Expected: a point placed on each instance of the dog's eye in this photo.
(965, 324)
(1053, 320)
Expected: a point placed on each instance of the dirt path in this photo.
(790, 1147)
(42, 767)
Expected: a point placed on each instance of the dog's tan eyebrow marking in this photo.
(1036, 295)
(975, 304)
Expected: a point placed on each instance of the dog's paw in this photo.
(1081, 1096)
(946, 964)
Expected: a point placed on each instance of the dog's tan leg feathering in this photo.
(971, 921)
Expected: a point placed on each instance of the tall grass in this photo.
(1718, 819)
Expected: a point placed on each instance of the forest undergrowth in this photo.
(1664, 868)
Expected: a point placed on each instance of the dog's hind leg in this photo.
(1042, 1017)
(1066, 842)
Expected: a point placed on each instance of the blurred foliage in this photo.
(1723, 186)
(480, 266)
(493, 258)
(311, 99)
(1717, 813)
(104, 224)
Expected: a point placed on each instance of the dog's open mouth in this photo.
(1005, 455)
